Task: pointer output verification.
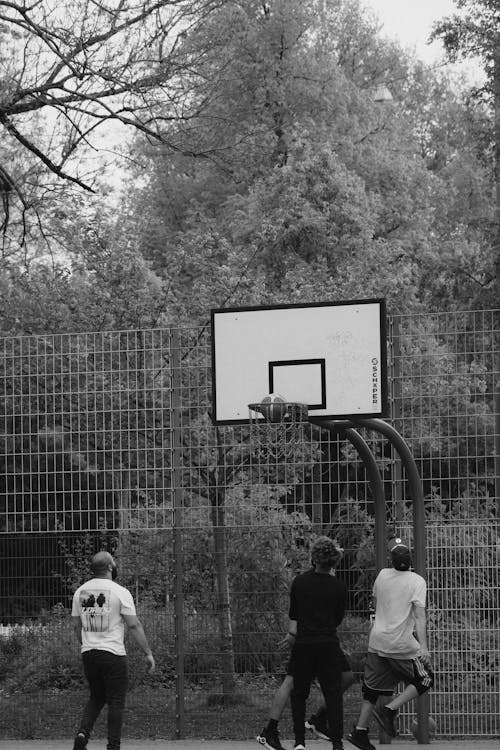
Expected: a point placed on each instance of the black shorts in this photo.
(344, 663)
(383, 673)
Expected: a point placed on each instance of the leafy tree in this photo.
(474, 33)
(359, 200)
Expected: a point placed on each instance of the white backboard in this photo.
(330, 356)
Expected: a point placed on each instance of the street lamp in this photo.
(382, 94)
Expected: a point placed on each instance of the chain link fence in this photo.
(106, 441)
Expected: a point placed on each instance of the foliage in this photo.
(472, 32)
(279, 180)
(439, 375)
(337, 197)
(47, 656)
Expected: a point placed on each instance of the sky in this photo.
(410, 21)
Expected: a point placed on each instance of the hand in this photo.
(426, 657)
(151, 661)
(286, 642)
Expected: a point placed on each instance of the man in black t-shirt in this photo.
(317, 606)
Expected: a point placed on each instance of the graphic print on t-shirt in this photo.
(95, 610)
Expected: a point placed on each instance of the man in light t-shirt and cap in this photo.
(397, 645)
(101, 609)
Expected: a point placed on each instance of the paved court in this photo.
(100, 744)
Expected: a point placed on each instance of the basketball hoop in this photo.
(278, 438)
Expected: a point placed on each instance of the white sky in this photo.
(411, 22)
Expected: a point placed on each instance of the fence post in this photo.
(496, 385)
(395, 402)
(177, 498)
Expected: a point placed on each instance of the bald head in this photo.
(102, 565)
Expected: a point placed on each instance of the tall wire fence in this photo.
(106, 441)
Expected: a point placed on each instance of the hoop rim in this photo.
(299, 412)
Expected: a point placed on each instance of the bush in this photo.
(40, 657)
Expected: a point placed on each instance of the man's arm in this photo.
(341, 606)
(421, 631)
(290, 637)
(77, 627)
(135, 626)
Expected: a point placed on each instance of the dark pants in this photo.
(107, 676)
(321, 661)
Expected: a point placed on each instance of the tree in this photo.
(87, 64)
(475, 33)
(350, 198)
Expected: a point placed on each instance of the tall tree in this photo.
(339, 192)
(476, 33)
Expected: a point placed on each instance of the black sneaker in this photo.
(385, 718)
(337, 745)
(319, 726)
(270, 739)
(80, 741)
(359, 738)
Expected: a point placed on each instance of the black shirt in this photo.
(317, 602)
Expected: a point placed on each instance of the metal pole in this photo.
(375, 479)
(417, 495)
(175, 411)
(396, 467)
(377, 488)
(415, 484)
(496, 365)
(420, 562)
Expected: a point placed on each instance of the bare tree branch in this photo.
(90, 62)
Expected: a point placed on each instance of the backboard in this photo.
(330, 356)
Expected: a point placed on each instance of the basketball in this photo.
(273, 407)
(432, 727)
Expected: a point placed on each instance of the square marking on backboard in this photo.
(298, 376)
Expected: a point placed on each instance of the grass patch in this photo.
(151, 712)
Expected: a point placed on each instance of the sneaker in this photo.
(299, 746)
(337, 745)
(80, 741)
(385, 718)
(270, 739)
(359, 738)
(317, 725)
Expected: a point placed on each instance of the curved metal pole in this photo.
(376, 484)
(377, 487)
(417, 495)
(416, 491)
(415, 484)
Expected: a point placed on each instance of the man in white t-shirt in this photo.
(397, 645)
(101, 609)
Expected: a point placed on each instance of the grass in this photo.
(151, 713)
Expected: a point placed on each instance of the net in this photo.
(280, 438)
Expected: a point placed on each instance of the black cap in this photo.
(400, 554)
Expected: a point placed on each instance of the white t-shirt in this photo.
(100, 604)
(396, 593)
